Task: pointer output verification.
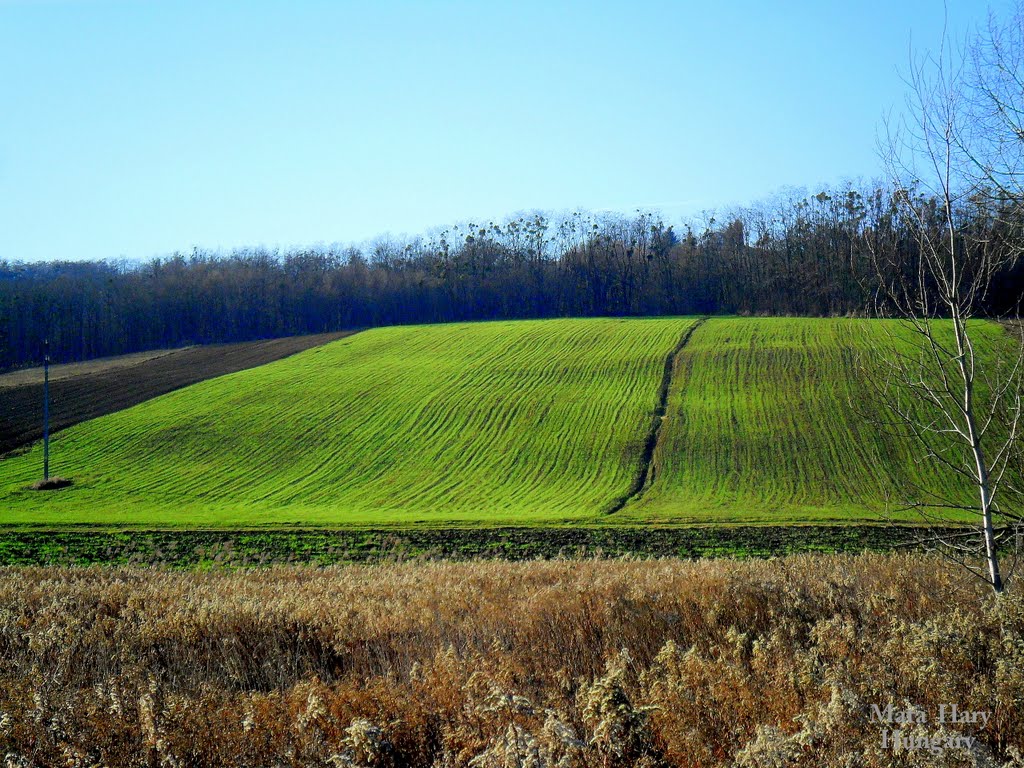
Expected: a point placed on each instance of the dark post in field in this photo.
(46, 410)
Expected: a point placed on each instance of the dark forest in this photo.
(814, 255)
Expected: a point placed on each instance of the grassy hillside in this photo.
(770, 419)
(521, 422)
(510, 423)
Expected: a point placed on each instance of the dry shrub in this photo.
(52, 484)
(492, 664)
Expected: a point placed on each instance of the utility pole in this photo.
(46, 410)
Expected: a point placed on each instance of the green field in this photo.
(513, 422)
(497, 424)
(770, 419)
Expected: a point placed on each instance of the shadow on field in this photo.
(242, 548)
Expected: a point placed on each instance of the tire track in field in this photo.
(644, 476)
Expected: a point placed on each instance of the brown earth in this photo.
(83, 391)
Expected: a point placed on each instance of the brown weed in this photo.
(494, 664)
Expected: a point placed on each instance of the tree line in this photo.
(796, 254)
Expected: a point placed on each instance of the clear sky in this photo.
(133, 129)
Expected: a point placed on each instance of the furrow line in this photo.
(647, 459)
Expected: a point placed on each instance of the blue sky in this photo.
(133, 129)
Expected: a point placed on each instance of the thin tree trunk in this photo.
(980, 465)
(991, 554)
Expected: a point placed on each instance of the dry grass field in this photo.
(548, 663)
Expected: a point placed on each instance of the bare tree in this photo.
(950, 384)
(993, 139)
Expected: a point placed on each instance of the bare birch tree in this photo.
(955, 394)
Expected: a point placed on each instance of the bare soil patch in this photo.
(83, 391)
(52, 484)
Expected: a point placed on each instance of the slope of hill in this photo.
(511, 422)
(83, 391)
(505, 423)
(772, 419)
